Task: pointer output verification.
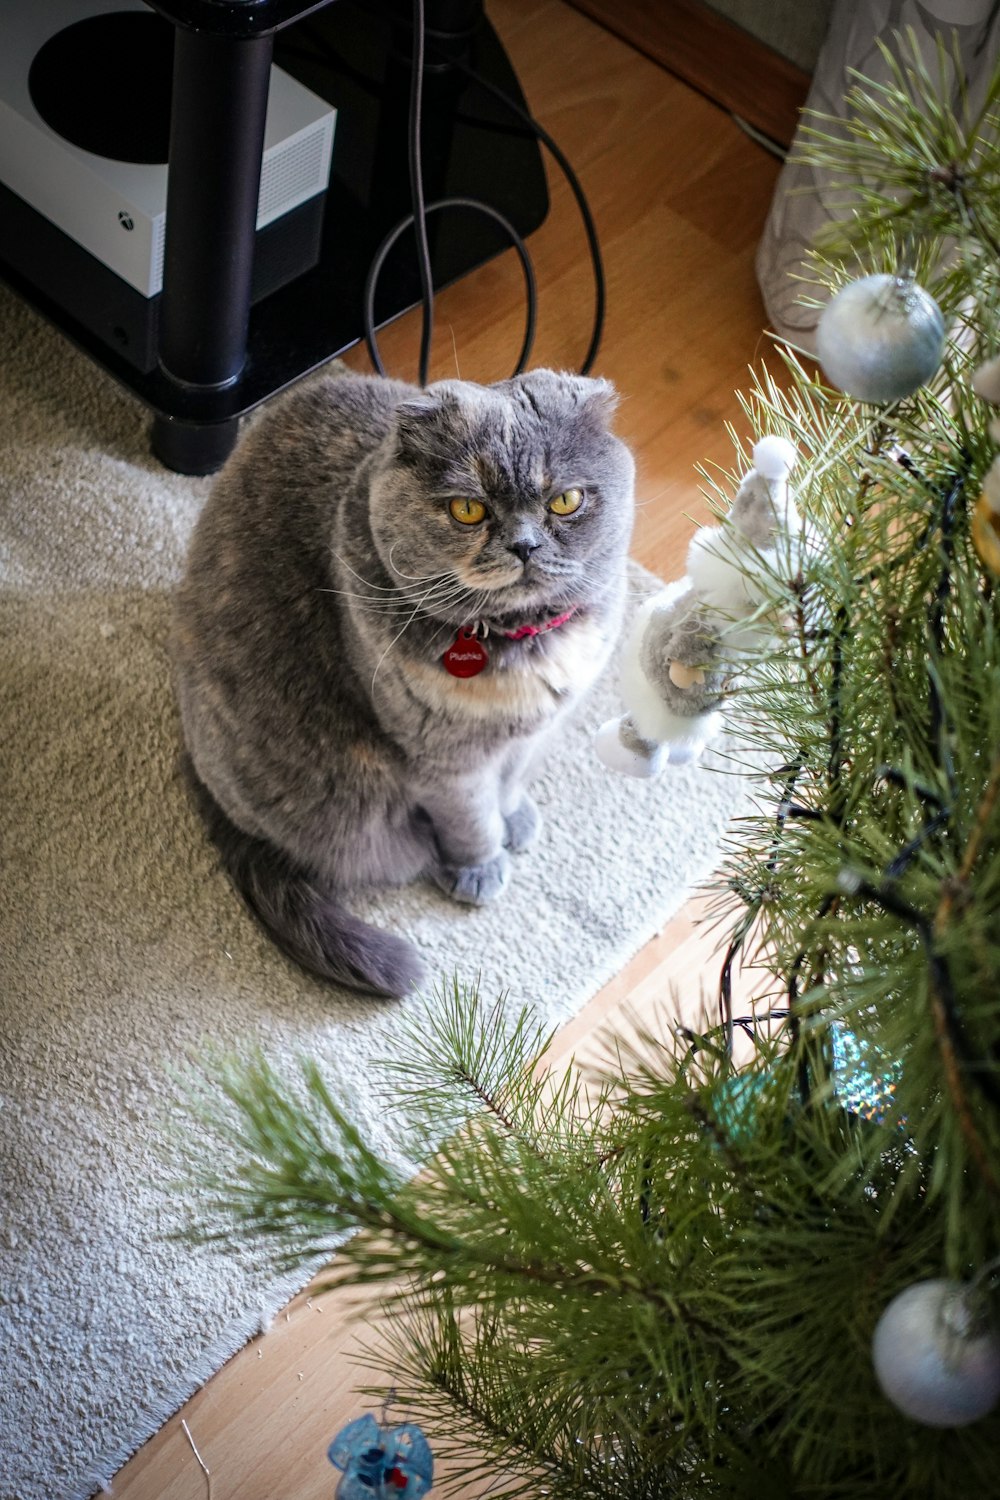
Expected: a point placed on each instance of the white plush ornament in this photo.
(936, 1357)
(986, 381)
(880, 338)
(986, 511)
(687, 639)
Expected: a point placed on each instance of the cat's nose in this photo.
(525, 546)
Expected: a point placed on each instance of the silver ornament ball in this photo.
(936, 1357)
(880, 338)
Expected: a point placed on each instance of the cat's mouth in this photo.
(522, 608)
(517, 594)
(499, 583)
(495, 594)
(523, 600)
(520, 579)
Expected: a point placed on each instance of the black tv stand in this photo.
(218, 352)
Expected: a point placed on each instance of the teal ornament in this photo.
(936, 1354)
(736, 1100)
(880, 338)
(381, 1463)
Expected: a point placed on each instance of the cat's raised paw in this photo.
(521, 826)
(475, 885)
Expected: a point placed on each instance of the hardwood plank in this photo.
(712, 54)
(678, 229)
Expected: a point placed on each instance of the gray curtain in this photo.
(802, 201)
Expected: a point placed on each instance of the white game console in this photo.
(117, 209)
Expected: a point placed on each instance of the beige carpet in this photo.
(122, 950)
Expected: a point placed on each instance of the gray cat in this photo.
(392, 594)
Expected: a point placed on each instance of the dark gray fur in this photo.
(330, 749)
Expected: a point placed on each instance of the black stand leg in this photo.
(192, 447)
(218, 112)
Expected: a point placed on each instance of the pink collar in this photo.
(525, 630)
(467, 656)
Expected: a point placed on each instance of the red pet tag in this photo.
(466, 656)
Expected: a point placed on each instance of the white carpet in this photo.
(122, 949)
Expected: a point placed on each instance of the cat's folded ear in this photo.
(419, 418)
(592, 395)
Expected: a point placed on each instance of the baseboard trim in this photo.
(713, 55)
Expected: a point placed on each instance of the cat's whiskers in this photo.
(428, 592)
(401, 632)
(385, 588)
(441, 591)
(471, 590)
(414, 577)
(399, 599)
(441, 595)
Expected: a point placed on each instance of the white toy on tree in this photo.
(686, 641)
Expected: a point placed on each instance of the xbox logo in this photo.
(126, 220)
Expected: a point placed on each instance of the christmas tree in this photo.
(769, 1269)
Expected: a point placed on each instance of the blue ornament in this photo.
(381, 1463)
(863, 1091)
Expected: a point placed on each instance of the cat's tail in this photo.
(300, 917)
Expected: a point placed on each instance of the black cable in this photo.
(590, 229)
(419, 217)
(375, 270)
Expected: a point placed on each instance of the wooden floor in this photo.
(718, 58)
(679, 195)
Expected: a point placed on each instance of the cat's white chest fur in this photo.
(530, 688)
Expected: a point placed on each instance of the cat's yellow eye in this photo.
(566, 503)
(469, 512)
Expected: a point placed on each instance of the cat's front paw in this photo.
(475, 885)
(521, 826)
